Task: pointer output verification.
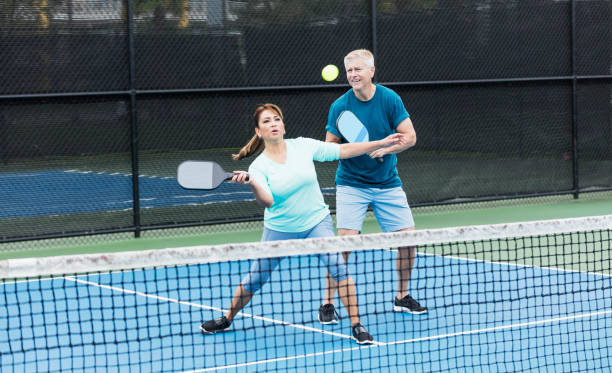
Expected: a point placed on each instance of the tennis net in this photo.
(506, 297)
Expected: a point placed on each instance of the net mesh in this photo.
(507, 297)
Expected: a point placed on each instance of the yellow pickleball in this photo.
(330, 72)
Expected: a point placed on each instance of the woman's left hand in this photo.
(394, 139)
(391, 140)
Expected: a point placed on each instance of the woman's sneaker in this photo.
(361, 335)
(408, 304)
(328, 314)
(215, 326)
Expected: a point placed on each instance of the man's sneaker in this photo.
(328, 314)
(408, 304)
(361, 335)
(215, 326)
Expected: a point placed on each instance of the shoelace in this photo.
(413, 303)
(359, 329)
(328, 306)
(409, 301)
(336, 313)
(222, 321)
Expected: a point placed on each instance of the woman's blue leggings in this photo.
(263, 267)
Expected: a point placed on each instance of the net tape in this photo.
(68, 264)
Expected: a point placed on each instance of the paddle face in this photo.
(351, 127)
(201, 175)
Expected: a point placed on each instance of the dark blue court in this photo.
(69, 192)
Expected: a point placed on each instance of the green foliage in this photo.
(287, 11)
(395, 6)
(174, 7)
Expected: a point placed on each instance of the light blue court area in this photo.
(484, 317)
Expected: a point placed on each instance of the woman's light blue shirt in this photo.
(298, 201)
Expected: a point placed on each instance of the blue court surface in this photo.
(484, 316)
(30, 194)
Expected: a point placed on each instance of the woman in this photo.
(284, 180)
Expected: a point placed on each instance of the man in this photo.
(364, 181)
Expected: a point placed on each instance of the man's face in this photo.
(358, 74)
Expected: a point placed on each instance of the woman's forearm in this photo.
(263, 198)
(350, 150)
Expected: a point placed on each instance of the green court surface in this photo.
(589, 204)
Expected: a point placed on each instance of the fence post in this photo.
(133, 120)
(373, 27)
(575, 181)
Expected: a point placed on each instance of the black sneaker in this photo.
(361, 335)
(408, 304)
(215, 326)
(328, 314)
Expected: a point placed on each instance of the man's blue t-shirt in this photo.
(381, 116)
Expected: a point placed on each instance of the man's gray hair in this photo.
(363, 54)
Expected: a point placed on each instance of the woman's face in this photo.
(270, 126)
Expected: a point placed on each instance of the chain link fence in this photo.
(101, 100)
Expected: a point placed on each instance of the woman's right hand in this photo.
(241, 177)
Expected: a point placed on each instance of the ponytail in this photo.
(252, 147)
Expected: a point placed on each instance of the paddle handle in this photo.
(229, 175)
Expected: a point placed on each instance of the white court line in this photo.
(273, 321)
(116, 174)
(516, 264)
(279, 359)
(503, 327)
(206, 195)
(421, 339)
